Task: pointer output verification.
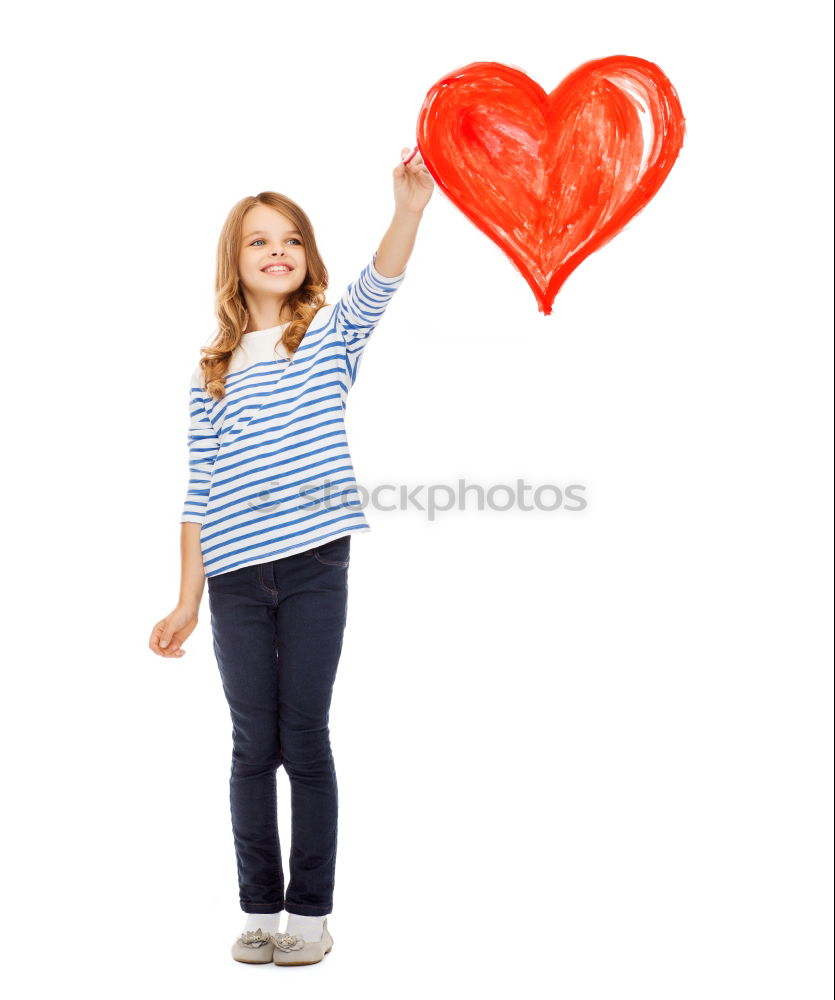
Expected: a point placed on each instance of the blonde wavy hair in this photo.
(230, 302)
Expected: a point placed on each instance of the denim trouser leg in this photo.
(278, 630)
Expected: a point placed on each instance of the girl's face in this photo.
(270, 246)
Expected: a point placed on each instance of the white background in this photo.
(580, 755)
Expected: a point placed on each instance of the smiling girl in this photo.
(270, 509)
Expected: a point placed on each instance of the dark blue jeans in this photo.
(277, 630)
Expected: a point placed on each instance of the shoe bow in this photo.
(288, 942)
(254, 939)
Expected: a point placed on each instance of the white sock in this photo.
(309, 928)
(268, 922)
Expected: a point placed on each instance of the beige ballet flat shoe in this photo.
(290, 949)
(253, 947)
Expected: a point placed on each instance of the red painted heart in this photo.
(551, 177)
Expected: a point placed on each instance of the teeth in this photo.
(276, 270)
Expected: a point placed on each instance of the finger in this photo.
(174, 642)
(406, 150)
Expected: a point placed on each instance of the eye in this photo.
(259, 240)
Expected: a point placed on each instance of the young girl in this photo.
(269, 513)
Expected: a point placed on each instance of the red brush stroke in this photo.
(551, 177)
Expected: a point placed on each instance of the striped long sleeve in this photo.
(203, 444)
(360, 309)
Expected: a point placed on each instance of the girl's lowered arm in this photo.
(192, 574)
(169, 634)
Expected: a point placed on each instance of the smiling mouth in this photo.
(277, 269)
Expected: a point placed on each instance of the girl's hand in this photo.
(413, 184)
(174, 629)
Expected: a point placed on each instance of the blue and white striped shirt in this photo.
(270, 471)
